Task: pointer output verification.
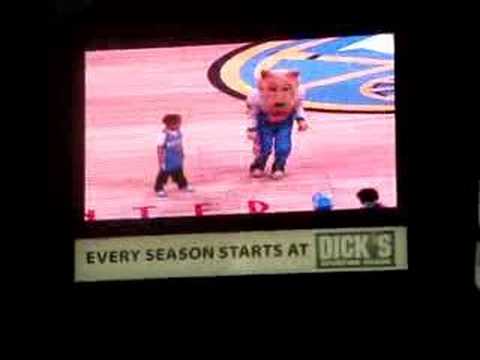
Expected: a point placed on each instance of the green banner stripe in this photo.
(240, 253)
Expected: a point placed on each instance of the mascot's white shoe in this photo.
(278, 174)
(161, 194)
(257, 173)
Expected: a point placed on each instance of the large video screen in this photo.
(266, 127)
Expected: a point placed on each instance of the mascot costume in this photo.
(273, 107)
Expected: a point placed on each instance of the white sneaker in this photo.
(188, 189)
(161, 194)
(278, 174)
(257, 173)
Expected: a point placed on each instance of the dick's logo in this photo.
(359, 249)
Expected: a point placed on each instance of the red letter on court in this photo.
(90, 215)
(200, 208)
(254, 209)
(144, 211)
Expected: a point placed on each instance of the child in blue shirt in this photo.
(170, 156)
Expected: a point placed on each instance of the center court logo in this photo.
(345, 74)
(364, 249)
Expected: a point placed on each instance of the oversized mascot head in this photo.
(278, 92)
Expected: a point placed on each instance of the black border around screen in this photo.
(102, 38)
(438, 276)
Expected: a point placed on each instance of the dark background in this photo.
(440, 191)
